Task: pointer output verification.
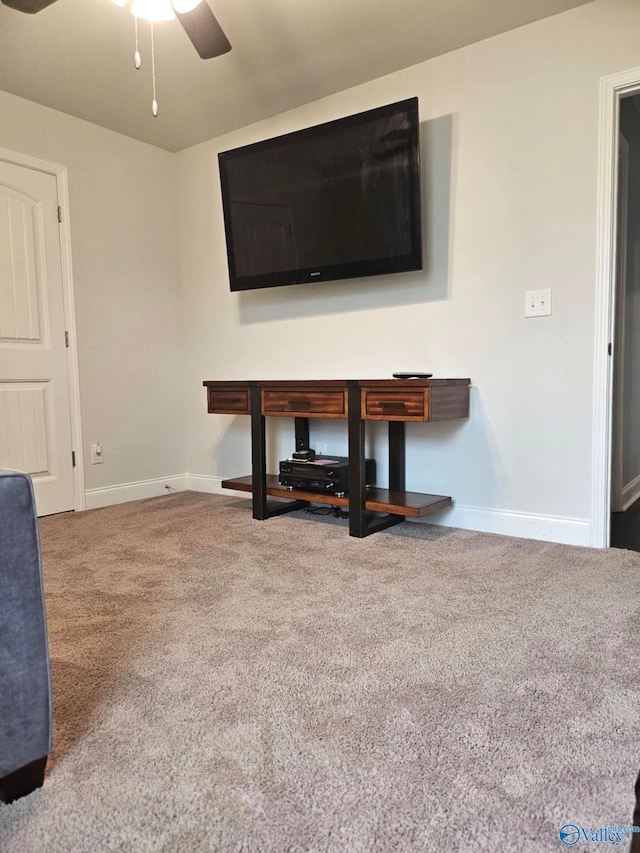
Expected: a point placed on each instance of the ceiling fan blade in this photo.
(205, 32)
(28, 6)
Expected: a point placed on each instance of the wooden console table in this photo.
(396, 401)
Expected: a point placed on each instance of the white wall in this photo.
(125, 265)
(510, 135)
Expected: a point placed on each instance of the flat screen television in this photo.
(335, 201)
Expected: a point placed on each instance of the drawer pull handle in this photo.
(228, 401)
(300, 403)
(392, 404)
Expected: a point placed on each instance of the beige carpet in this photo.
(226, 684)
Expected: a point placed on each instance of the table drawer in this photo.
(305, 404)
(382, 405)
(228, 401)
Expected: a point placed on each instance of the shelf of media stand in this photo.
(411, 504)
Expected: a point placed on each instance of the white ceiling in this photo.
(77, 57)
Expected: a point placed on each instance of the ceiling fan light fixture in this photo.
(153, 10)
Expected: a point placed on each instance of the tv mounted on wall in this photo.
(336, 201)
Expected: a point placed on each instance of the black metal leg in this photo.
(397, 466)
(23, 781)
(357, 492)
(289, 506)
(261, 510)
(361, 522)
(258, 456)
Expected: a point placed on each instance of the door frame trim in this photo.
(612, 89)
(60, 173)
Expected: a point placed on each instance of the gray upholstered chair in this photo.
(25, 691)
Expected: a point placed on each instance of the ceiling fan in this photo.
(197, 19)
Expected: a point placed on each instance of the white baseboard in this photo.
(630, 493)
(525, 525)
(211, 485)
(568, 531)
(96, 498)
(206, 483)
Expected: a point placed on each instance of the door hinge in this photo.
(59, 214)
(73, 459)
(66, 339)
(610, 348)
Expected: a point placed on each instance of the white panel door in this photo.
(35, 425)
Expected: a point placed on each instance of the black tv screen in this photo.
(339, 200)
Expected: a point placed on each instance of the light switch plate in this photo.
(537, 303)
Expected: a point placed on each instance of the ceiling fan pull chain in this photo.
(136, 57)
(154, 105)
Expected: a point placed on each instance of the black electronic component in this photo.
(326, 475)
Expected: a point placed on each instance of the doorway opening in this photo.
(612, 487)
(625, 414)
